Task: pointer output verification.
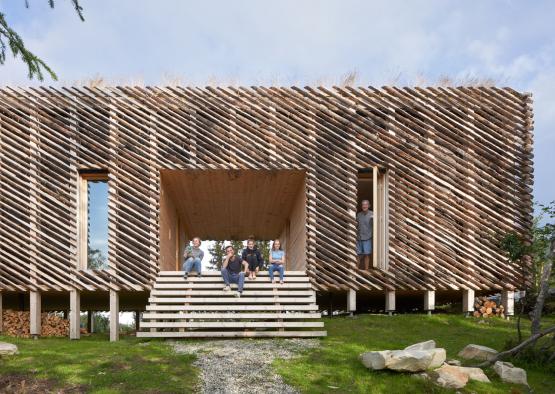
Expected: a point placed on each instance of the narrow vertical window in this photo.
(93, 220)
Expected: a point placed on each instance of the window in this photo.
(93, 219)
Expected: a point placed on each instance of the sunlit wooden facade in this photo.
(457, 164)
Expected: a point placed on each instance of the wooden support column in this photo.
(351, 301)
(89, 322)
(137, 320)
(74, 314)
(114, 315)
(468, 301)
(34, 314)
(390, 301)
(429, 301)
(508, 302)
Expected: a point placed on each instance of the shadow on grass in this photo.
(130, 365)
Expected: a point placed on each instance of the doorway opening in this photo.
(232, 205)
(372, 185)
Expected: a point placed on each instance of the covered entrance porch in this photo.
(232, 205)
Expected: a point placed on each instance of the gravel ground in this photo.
(243, 365)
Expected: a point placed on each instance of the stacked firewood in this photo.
(483, 307)
(17, 324)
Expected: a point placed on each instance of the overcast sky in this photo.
(299, 43)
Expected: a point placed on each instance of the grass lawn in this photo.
(335, 367)
(93, 364)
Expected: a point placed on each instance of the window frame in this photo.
(85, 176)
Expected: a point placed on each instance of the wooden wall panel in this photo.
(169, 228)
(296, 243)
(459, 163)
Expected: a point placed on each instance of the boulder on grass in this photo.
(7, 349)
(509, 373)
(477, 352)
(410, 360)
(475, 374)
(414, 358)
(375, 360)
(438, 357)
(451, 377)
(427, 345)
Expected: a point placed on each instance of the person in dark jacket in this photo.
(252, 256)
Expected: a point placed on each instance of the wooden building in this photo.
(448, 170)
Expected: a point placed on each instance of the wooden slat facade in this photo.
(458, 162)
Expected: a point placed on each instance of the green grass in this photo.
(93, 364)
(335, 368)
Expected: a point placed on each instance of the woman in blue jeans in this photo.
(277, 261)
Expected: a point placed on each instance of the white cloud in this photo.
(303, 42)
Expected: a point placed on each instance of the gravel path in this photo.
(242, 365)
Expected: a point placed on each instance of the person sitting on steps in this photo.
(193, 258)
(277, 261)
(232, 270)
(252, 257)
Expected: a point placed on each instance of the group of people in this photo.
(234, 267)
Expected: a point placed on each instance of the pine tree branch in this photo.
(9, 38)
(35, 65)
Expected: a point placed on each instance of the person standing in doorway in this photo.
(193, 258)
(253, 258)
(232, 270)
(365, 224)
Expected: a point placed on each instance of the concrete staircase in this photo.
(198, 307)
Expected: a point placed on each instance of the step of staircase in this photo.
(199, 307)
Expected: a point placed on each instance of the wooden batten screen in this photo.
(457, 175)
(380, 258)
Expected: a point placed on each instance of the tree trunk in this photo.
(544, 288)
(518, 347)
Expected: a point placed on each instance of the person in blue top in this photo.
(277, 262)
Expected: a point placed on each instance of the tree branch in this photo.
(517, 348)
(9, 38)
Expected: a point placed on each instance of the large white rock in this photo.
(449, 376)
(438, 357)
(404, 360)
(7, 348)
(475, 374)
(477, 352)
(427, 345)
(509, 373)
(410, 360)
(375, 360)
